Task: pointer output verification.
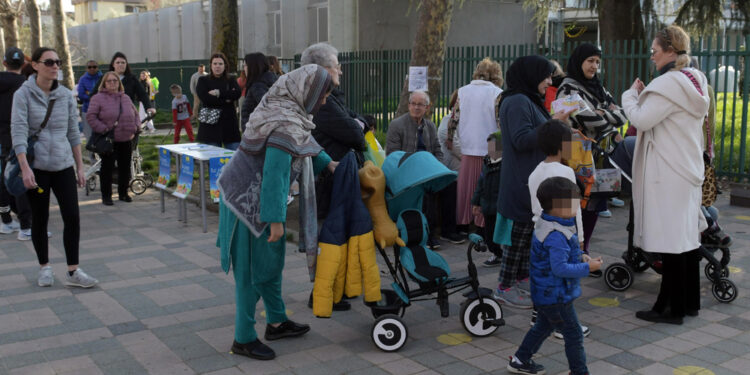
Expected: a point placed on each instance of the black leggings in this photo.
(63, 183)
(122, 153)
(680, 283)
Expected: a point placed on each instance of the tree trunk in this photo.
(2, 40)
(35, 24)
(225, 30)
(8, 17)
(429, 48)
(61, 42)
(621, 20)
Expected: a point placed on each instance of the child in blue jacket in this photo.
(557, 265)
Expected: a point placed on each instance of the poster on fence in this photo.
(165, 160)
(185, 180)
(214, 169)
(417, 78)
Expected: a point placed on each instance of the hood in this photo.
(57, 91)
(409, 176)
(680, 90)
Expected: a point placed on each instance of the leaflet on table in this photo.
(215, 166)
(570, 102)
(185, 180)
(165, 160)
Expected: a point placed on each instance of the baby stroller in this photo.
(619, 276)
(480, 314)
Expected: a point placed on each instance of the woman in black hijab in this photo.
(601, 116)
(521, 113)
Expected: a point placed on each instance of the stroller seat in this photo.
(424, 265)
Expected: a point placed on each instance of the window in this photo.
(134, 9)
(94, 6)
(317, 23)
(276, 28)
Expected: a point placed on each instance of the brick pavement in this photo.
(165, 307)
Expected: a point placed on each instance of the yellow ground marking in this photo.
(454, 338)
(692, 370)
(743, 217)
(733, 269)
(604, 302)
(288, 313)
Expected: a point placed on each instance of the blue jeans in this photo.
(561, 317)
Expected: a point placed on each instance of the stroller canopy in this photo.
(409, 176)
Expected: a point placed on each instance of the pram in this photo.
(480, 314)
(619, 276)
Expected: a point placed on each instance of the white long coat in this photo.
(668, 163)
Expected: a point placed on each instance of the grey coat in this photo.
(52, 151)
(402, 136)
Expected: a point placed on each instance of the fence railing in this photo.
(372, 82)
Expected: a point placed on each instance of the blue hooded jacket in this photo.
(86, 84)
(556, 266)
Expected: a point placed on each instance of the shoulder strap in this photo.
(119, 114)
(692, 79)
(48, 114)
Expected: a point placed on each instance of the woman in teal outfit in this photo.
(276, 148)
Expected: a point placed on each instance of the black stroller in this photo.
(619, 276)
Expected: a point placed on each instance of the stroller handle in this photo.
(148, 118)
(477, 242)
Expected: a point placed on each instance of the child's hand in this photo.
(476, 210)
(586, 258)
(595, 264)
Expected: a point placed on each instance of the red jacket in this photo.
(103, 112)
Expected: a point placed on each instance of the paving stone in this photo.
(628, 360)
(459, 368)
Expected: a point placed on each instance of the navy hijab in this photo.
(523, 77)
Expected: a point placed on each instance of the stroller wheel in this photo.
(91, 183)
(710, 271)
(724, 290)
(149, 180)
(389, 333)
(478, 318)
(618, 277)
(138, 186)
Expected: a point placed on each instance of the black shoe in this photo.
(655, 317)
(595, 274)
(107, 202)
(691, 312)
(342, 305)
(255, 349)
(453, 237)
(126, 198)
(286, 329)
(432, 243)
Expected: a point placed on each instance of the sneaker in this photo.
(255, 349)
(286, 329)
(513, 298)
(10, 227)
(533, 317)
(517, 367)
(586, 332)
(80, 279)
(524, 286)
(453, 238)
(25, 234)
(492, 261)
(46, 276)
(596, 274)
(432, 243)
(616, 202)
(605, 213)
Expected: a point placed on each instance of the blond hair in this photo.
(489, 70)
(675, 38)
(102, 85)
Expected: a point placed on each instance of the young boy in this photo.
(555, 270)
(484, 199)
(181, 113)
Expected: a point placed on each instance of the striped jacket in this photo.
(590, 122)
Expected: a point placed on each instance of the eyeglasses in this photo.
(418, 105)
(92, 67)
(50, 62)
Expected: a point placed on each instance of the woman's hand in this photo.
(214, 92)
(151, 111)
(277, 230)
(332, 166)
(81, 176)
(638, 86)
(563, 116)
(29, 182)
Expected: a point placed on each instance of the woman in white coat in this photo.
(668, 172)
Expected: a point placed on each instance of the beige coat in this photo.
(668, 164)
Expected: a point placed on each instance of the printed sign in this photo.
(417, 78)
(165, 160)
(185, 180)
(214, 169)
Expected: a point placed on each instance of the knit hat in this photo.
(14, 55)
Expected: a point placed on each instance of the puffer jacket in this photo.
(52, 151)
(556, 266)
(104, 111)
(346, 259)
(254, 92)
(488, 185)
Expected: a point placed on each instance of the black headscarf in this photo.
(524, 76)
(593, 85)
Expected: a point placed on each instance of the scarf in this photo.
(664, 69)
(575, 71)
(523, 77)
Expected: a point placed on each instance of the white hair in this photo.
(320, 54)
(423, 93)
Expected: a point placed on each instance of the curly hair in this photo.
(489, 70)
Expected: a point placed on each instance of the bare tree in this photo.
(61, 41)
(226, 30)
(35, 24)
(8, 20)
(429, 46)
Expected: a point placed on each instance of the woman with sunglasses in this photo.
(56, 151)
(130, 83)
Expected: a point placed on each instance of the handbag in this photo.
(104, 143)
(12, 173)
(209, 115)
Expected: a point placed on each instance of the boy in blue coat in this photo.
(557, 265)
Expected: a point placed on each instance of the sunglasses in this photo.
(50, 62)
(92, 66)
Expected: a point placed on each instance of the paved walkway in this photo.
(165, 307)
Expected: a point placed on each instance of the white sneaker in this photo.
(46, 276)
(80, 279)
(9, 228)
(25, 234)
(586, 332)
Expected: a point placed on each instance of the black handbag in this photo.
(104, 143)
(13, 178)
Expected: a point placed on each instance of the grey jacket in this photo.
(52, 151)
(402, 136)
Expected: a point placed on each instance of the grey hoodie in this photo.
(52, 151)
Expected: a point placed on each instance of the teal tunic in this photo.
(258, 263)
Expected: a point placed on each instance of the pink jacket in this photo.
(103, 113)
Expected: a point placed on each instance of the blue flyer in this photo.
(165, 161)
(185, 180)
(214, 169)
